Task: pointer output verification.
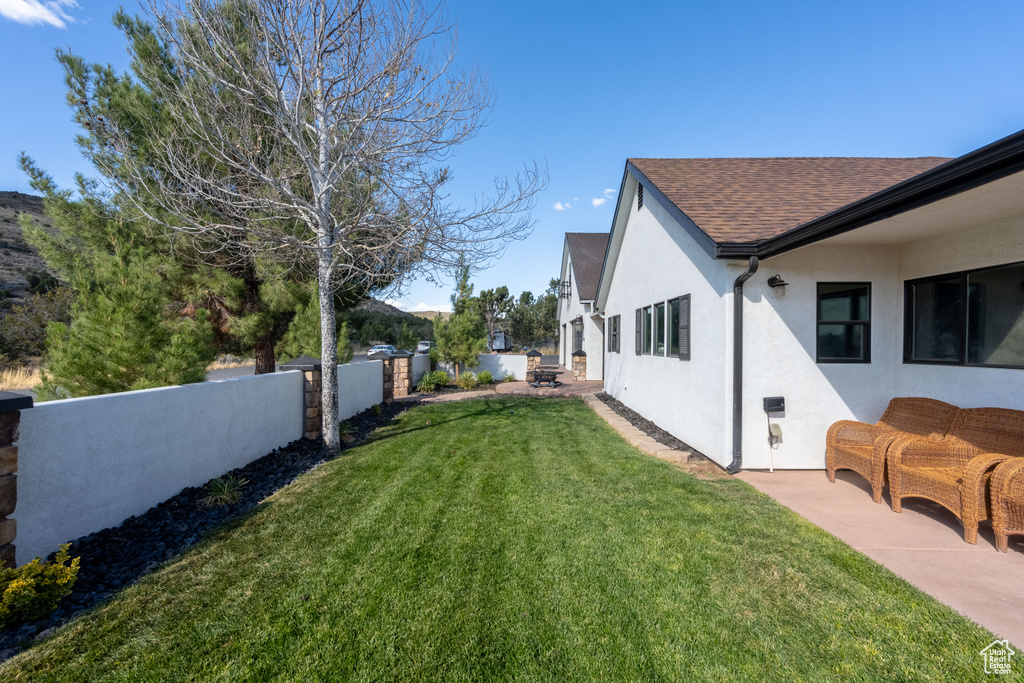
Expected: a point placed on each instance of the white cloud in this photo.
(424, 306)
(53, 12)
(608, 193)
(598, 201)
(559, 206)
(575, 199)
(605, 196)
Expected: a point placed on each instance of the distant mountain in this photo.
(375, 306)
(17, 257)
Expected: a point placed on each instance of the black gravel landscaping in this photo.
(649, 428)
(113, 558)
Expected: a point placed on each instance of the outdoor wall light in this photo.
(777, 284)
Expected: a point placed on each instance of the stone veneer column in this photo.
(11, 406)
(533, 358)
(579, 366)
(401, 374)
(312, 394)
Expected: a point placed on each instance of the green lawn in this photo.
(513, 539)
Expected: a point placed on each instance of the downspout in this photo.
(737, 367)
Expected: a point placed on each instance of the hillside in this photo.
(17, 257)
(375, 306)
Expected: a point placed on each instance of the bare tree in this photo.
(317, 132)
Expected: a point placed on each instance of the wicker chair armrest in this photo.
(920, 451)
(1004, 474)
(851, 430)
(981, 465)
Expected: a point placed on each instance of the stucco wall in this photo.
(360, 385)
(690, 399)
(420, 366)
(89, 463)
(498, 364)
(593, 331)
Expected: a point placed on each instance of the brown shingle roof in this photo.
(747, 200)
(586, 250)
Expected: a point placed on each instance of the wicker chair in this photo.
(861, 447)
(1008, 501)
(955, 472)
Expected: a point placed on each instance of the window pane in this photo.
(995, 316)
(842, 342)
(673, 327)
(648, 329)
(843, 302)
(935, 310)
(659, 329)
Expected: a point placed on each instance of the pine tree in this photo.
(462, 337)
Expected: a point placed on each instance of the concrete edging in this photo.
(633, 435)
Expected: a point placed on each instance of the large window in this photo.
(844, 322)
(659, 329)
(968, 318)
(648, 329)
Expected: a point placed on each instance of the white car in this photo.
(424, 347)
(383, 348)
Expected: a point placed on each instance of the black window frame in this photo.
(614, 331)
(866, 324)
(647, 337)
(663, 318)
(963, 319)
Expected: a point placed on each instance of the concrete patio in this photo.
(924, 544)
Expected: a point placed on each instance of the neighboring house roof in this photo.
(586, 251)
(748, 200)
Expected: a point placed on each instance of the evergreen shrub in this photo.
(33, 590)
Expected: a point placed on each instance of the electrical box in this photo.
(774, 404)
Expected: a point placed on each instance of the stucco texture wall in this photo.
(360, 385)
(498, 364)
(89, 463)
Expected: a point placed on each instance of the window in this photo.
(659, 329)
(844, 322)
(648, 329)
(638, 330)
(613, 333)
(969, 318)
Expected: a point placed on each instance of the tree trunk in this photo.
(328, 357)
(265, 359)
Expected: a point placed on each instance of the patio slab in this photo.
(923, 544)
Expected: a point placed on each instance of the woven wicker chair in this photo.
(1008, 501)
(955, 472)
(861, 447)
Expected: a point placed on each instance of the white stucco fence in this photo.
(86, 464)
(498, 364)
(420, 366)
(360, 385)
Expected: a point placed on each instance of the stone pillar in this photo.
(579, 366)
(532, 360)
(312, 394)
(11, 406)
(401, 374)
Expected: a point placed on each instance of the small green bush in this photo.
(376, 409)
(225, 490)
(432, 381)
(466, 381)
(509, 378)
(485, 377)
(33, 590)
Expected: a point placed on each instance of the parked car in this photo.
(383, 348)
(424, 346)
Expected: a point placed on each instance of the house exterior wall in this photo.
(593, 329)
(690, 399)
(693, 399)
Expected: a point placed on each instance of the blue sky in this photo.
(581, 86)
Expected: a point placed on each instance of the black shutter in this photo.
(684, 327)
(610, 331)
(639, 330)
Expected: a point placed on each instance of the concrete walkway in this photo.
(923, 544)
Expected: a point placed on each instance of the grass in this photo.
(18, 378)
(513, 538)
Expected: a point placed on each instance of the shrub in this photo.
(509, 378)
(33, 590)
(485, 377)
(23, 332)
(224, 491)
(432, 381)
(466, 381)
